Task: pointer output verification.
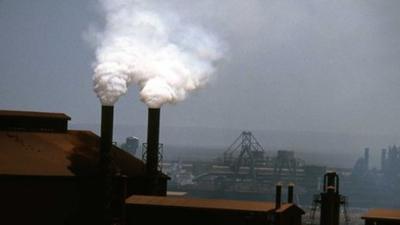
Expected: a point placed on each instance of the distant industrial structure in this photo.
(246, 171)
(371, 187)
(390, 161)
(361, 167)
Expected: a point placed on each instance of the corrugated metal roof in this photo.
(220, 204)
(383, 214)
(58, 154)
(11, 113)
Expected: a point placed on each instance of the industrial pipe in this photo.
(290, 193)
(278, 194)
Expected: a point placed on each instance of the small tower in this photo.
(329, 201)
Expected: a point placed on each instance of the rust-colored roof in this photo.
(221, 204)
(382, 214)
(72, 153)
(10, 113)
(284, 207)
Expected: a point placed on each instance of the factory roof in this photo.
(12, 113)
(33, 121)
(382, 214)
(218, 204)
(72, 153)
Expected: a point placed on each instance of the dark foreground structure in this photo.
(382, 217)
(50, 175)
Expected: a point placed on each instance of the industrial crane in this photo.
(244, 151)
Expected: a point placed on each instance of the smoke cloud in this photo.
(145, 44)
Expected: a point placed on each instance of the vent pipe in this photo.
(278, 194)
(290, 193)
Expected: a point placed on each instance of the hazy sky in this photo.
(314, 65)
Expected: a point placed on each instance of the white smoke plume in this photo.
(151, 47)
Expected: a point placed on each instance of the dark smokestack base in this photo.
(290, 193)
(278, 194)
(153, 132)
(106, 170)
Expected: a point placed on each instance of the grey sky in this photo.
(291, 65)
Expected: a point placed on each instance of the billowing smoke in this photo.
(148, 45)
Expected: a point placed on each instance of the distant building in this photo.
(131, 145)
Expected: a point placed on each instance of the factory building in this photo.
(48, 174)
(177, 210)
(382, 217)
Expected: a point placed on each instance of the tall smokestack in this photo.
(153, 132)
(107, 117)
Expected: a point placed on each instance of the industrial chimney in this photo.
(105, 165)
(153, 132)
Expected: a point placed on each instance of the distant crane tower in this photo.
(329, 202)
(250, 153)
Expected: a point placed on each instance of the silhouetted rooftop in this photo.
(219, 204)
(12, 113)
